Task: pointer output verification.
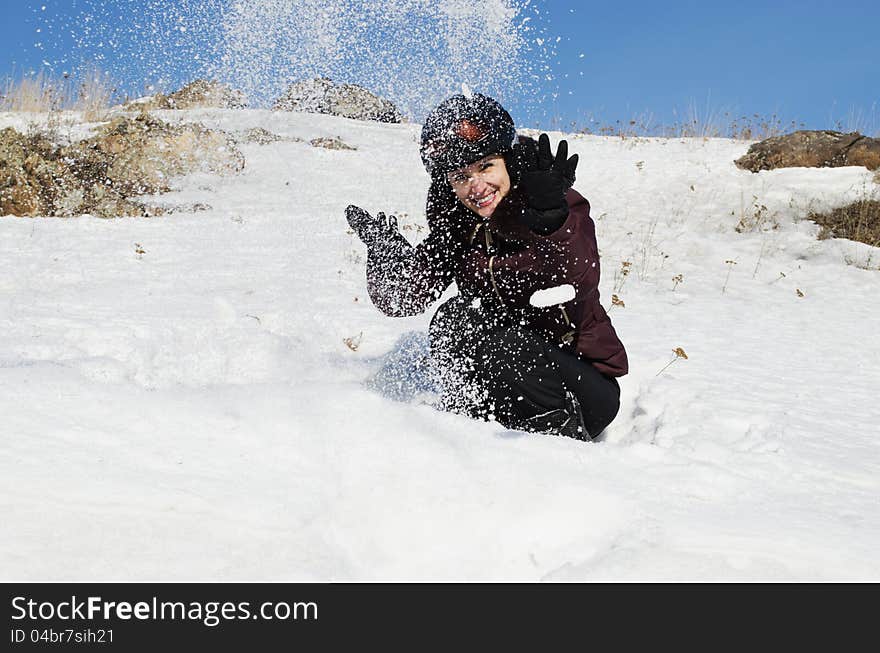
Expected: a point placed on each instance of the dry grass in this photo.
(91, 93)
(725, 125)
(859, 221)
(36, 94)
(94, 94)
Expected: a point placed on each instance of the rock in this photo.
(321, 95)
(100, 175)
(262, 136)
(31, 176)
(200, 93)
(331, 143)
(865, 152)
(165, 209)
(859, 221)
(812, 149)
(17, 195)
(143, 153)
(259, 135)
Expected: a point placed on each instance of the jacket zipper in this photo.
(494, 285)
(489, 247)
(567, 337)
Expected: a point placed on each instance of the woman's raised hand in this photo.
(544, 177)
(371, 230)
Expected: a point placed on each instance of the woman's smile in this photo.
(484, 200)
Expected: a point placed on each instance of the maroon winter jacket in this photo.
(502, 262)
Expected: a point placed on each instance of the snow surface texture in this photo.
(189, 409)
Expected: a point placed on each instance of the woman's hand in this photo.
(543, 177)
(543, 180)
(369, 229)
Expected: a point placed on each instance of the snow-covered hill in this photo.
(177, 400)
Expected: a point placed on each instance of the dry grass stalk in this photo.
(756, 219)
(730, 263)
(677, 279)
(621, 275)
(354, 342)
(93, 95)
(679, 353)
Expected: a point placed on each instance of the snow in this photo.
(414, 53)
(552, 296)
(193, 412)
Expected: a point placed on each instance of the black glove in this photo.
(543, 177)
(370, 230)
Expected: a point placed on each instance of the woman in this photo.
(504, 224)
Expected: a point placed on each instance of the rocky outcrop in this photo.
(103, 174)
(321, 95)
(141, 154)
(200, 93)
(812, 149)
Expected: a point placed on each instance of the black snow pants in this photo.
(490, 368)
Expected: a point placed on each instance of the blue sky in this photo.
(805, 61)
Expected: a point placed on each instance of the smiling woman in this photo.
(506, 226)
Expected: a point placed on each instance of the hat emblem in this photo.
(470, 131)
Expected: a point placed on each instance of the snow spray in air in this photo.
(413, 52)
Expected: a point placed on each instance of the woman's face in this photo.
(481, 185)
